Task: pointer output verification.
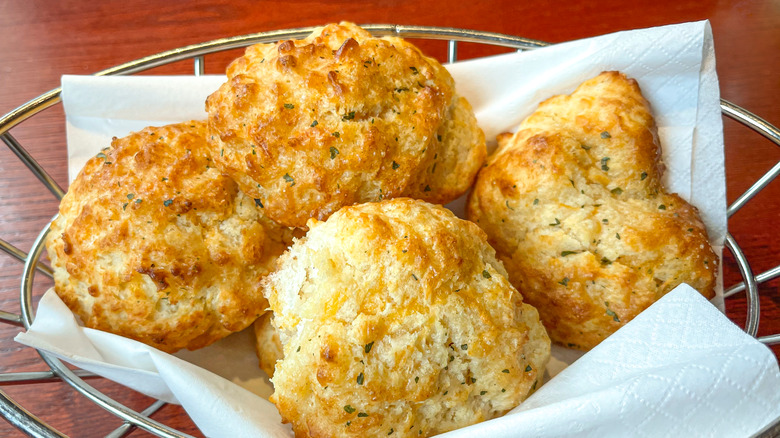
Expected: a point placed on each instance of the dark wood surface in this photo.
(41, 40)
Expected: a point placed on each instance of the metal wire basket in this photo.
(31, 425)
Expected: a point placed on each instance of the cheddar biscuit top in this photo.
(397, 317)
(340, 118)
(153, 243)
(573, 204)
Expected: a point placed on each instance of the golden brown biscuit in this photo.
(153, 243)
(396, 317)
(267, 344)
(340, 118)
(574, 206)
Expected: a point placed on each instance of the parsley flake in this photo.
(349, 409)
(605, 134)
(289, 106)
(643, 176)
(505, 371)
(168, 202)
(349, 116)
(604, 166)
(427, 188)
(485, 273)
(662, 207)
(314, 123)
(289, 179)
(333, 152)
(557, 222)
(612, 313)
(130, 196)
(414, 70)
(259, 203)
(362, 414)
(566, 253)
(360, 378)
(528, 368)
(336, 134)
(616, 191)
(587, 148)
(565, 281)
(536, 202)
(368, 346)
(464, 346)
(395, 165)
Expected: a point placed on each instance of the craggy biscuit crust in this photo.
(153, 243)
(574, 206)
(340, 118)
(396, 317)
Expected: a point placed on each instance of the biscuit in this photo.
(340, 118)
(268, 347)
(154, 243)
(574, 206)
(396, 317)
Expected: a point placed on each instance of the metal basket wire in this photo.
(31, 425)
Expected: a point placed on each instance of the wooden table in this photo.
(41, 40)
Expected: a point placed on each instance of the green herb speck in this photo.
(349, 116)
(314, 123)
(360, 378)
(482, 392)
(464, 346)
(168, 202)
(643, 176)
(557, 222)
(485, 273)
(130, 196)
(605, 134)
(349, 409)
(604, 166)
(662, 207)
(536, 202)
(259, 203)
(505, 371)
(395, 165)
(336, 134)
(565, 281)
(333, 152)
(567, 253)
(368, 346)
(616, 191)
(289, 106)
(611, 313)
(362, 414)
(427, 188)
(414, 70)
(289, 179)
(528, 368)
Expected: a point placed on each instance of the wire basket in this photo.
(31, 425)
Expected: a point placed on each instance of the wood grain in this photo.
(41, 40)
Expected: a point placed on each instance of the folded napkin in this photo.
(681, 368)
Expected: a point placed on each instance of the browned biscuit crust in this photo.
(153, 243)
(574, 206)
(340, 118)
(396, 317)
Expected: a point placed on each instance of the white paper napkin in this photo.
(616, 389)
